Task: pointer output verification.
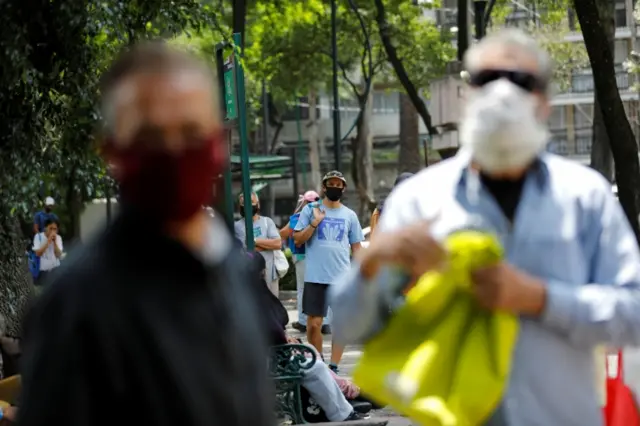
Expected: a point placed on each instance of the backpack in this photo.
(34, 260)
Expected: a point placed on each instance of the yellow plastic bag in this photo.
(441, 359)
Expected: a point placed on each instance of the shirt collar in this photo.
(539, 170)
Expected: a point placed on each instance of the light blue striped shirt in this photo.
(570, 231)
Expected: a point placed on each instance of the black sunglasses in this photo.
(523, 79)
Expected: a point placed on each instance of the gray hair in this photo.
(253, 194)
(151, 57)
(515, 38)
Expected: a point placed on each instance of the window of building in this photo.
(582, 116)
(583, 142)
(559, 144)
(581, 82)
(583, 123)
(620, 17)
(621, 51)
(386, 103)
(349, 109)
(290, 114)
(557, 119)
(573, 20)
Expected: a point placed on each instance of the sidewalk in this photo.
(351, 355)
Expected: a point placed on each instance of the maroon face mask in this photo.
(169, 187)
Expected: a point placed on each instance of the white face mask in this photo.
(501, 127)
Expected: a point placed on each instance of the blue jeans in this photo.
(302, 318)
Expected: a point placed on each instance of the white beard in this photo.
(501, 128)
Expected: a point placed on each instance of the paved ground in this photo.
(349, 359)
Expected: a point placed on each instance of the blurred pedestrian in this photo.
(375, 216)
(151, 322)
(572, 268)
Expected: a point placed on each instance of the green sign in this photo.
(230, 89)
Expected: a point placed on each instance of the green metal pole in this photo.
(244, 144)
(228, 190)
(227, 207)
(302, 165)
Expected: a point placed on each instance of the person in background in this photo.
(266, 237)
(375, 216)
(298, 252)
(47, 245)
(331, 232)
(150, 322)
(572, 264)
(40, 218)
(318, 379)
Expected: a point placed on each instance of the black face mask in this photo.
(333, 194)
(47, 209)
(255, 209)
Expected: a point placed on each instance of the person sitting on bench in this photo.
(317, 380)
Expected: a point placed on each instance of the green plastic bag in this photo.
(441, 359)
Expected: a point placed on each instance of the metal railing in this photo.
(583, 83)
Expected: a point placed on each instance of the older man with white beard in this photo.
(572, 269)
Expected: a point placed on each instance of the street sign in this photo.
(231, 105)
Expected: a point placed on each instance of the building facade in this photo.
(570, 123)
(571, 119)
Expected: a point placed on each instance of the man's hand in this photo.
(318, 216)
(503, 287)
(412, 249)
(292, 340)
(9, 416)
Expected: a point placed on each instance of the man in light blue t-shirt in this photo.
(331, 233)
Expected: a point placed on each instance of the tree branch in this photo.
(487, 15)
(398, 66)
(623, 143)
(353, 85)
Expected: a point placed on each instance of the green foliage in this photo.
(53, 54)
(550, 27)
(290, 45)
(632, 65)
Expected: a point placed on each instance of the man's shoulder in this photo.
(269, 221)
(441, 177)
(570, 178)
(348, 212)
(77, 283)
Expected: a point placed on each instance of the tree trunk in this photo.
(623, 143)
(362, 164)
(16, 283)
(601, 155)
(240, 19)
(409, 159)
(398, 68)
(314, 144)
(463, 28)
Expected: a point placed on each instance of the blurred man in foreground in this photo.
(150, 323)
(573, 266)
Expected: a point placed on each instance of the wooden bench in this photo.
(287, 367)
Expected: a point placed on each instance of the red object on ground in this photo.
(621, 408)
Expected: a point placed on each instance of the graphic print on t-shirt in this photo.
(257, 231)
(331, 229)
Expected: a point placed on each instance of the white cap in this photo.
(49, 201)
